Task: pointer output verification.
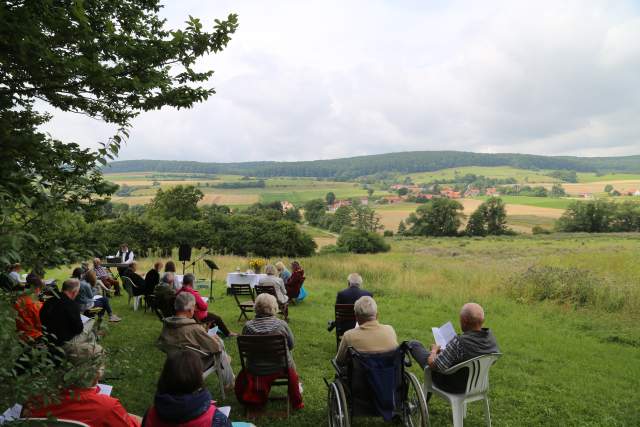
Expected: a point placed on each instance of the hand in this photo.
(435, 348)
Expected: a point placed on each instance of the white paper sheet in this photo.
(12, 413)
(84, 318)
(225, 410)
(97, 297)
(444, 334)
(105, 389)
(213, 331)
(206, 299)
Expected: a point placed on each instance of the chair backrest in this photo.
(478, 379)
(127, 284)
(238, 289)
(263, 354)
(265, 289)
(345, 319)
(48, 422)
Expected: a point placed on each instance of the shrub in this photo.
(540, 230)
(362, 242)
(387, 233)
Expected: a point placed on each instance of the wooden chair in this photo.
(129, 286)
(240, 292)
(266, 355)
(345, 320)
(271, 290)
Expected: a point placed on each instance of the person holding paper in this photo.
(473, 342)
(61, 315)
(182, 330)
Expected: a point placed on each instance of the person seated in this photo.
(369, 335)
(353, 292)
(182, 330)
(82, 401)
(202, 314)
(272, 280)
(181, 396)
(14, 273)
(266, 323)
(91, 284)
(97, 286)
(104, 275)
(473, 342)
(28, 310)
(126, 257)
(295, 282)
(61, 315)
(139, 283)
(170, 267)
(283, 273)
(165, 294)
(152, 278)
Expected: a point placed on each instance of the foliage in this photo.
(595, 216)
(314, 212)
(343, 217)
(537, 229)
(489, 219)
(526, 190)
(388, 233)
(439, 217)
(608, 188)
(180, 202)
(361, 241)
(330, 198)
(241, 184)
(402, 228)
(565, 175)
(557, 191)
(366, 219)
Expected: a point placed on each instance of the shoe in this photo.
(114, 318)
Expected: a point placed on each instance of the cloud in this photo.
(326, 79)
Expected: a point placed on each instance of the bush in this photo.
(387, 233)
(540, 230)
(362, 242)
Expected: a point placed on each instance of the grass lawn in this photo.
(561, 365)
(541, 202)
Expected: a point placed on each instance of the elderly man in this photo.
(152, 277)
(182, 330)
(138, 281)
(369, 336)
(104, 275)
(473, 342)
(272, 280)
(353, 292)
(165, 294)
(61, 316)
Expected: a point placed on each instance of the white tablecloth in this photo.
(244, 279)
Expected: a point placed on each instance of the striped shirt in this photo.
(450, 356)
(271, 325)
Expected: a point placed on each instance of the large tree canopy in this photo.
(107, 59)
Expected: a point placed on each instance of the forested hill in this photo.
(406, 162)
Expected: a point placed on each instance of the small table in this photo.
(244, 279)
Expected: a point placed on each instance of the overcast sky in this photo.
(323, 79)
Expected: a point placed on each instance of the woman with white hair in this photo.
(272, 280)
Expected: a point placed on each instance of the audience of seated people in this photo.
(369, 335)
(182, 330)
(85, 298)
(272, 280)
(60, 315)
(82, 400)
(266, 323)
(202, 314)
(138, 281)
(283, 273)
(104, 275)
(295, 281)
(28, 308)
(152, 278)
(473, 342)
(181, 397)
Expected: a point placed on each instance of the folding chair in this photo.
(216, 367)
(477, 387)
(266, 355)
(271, 290)
(345, 320)
(243, 290)
(128, 286)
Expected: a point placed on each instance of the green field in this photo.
(503, 172)
(541, 202)
(555, 355)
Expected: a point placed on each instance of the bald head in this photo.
(471, 317)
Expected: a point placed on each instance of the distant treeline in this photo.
(407, 162)
(241, 184)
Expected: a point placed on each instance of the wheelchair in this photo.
(376, 384)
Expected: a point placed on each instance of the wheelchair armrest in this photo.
(337, 367)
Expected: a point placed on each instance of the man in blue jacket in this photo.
(353, 291)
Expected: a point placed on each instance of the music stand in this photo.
(212, 266)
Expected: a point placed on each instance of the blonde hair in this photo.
(280, 266)
(266, 304)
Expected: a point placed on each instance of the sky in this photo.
(304, 80)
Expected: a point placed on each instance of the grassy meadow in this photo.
(571, 350)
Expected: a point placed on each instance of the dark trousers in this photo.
(215, 320)
(104, 303)
(454, 383)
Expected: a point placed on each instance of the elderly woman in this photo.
(296, 280)
(272, 280)
(90, 288)
(283, 273)
(266, 323)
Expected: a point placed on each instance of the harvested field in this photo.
(229, 199)
(598, 186)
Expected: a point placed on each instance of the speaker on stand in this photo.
(184, 255)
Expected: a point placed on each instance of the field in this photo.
(562, 364)
(598, 186)
(501, 172)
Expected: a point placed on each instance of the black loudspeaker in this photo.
(184, 253)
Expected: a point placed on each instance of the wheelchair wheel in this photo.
(337, 406)
(414, 412)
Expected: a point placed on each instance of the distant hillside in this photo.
(406, 162)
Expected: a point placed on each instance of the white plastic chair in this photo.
(477, 387)
(215, 367)
(128, 286)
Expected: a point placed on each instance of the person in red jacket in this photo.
(181, 397)
(202, 313)
(83, 402)
(296, 280)
(28, 310)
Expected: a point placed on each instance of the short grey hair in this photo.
(188, 279)
(472, 313)
(354, 279)
(266, 305)
(184, 302)
(366, 308)
(168, 277)
(270, 269)
(70, 285)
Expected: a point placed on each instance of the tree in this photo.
(179, 202)
(361, 242)
(402, 229)
(343, 217)
(330, 198)
(403, 191)
(366, 219)
(558, 191)
(107, 59)
(489, 219)
(608, 188)
(439, 217)
(314, 212)
(594, 216)
(370, 191)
